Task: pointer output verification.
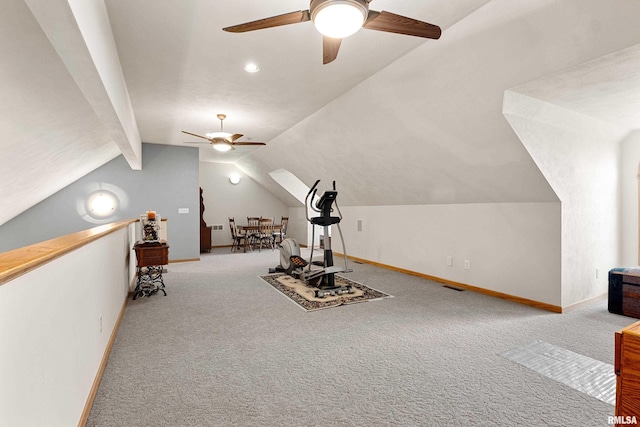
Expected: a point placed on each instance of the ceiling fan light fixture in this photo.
(222, 141)
(218, 135)
(338, 18)
(222, 146)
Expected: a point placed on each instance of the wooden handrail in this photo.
(19, 261)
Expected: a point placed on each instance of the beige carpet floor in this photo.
(223, 349)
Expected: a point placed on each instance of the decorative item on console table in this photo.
(149, 227)
(205, 231)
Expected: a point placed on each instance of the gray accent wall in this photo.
(167, 182)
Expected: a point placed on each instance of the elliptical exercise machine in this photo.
(294, 265)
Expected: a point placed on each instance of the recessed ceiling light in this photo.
(251, 68)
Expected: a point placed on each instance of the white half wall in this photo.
(56, 322)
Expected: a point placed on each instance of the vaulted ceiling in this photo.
(395, 119)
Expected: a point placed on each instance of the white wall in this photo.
(223, 199)
(298, 227)
(580, 157)
(629, 172)
(513, 248)
(53, 340)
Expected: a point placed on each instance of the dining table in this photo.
(276, 227)
(247, 230)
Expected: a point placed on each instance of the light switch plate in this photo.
(183, 210)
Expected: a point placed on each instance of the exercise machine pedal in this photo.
(321, 293)
(345, 290)
(298, 261)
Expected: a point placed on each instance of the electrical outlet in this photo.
(450, 261)
(597, 273)
(100, 323)
(467, 264)
(359, 225)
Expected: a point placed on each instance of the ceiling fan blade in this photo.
(193, 134)
(392, 23)
(330, 47)
(233, 137)
(249, 143)
(274, 21)
(196, 142)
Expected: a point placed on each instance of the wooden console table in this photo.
(150, 256)
(627, 368)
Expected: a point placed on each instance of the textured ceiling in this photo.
(606, 88)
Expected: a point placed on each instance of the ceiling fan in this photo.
(222, 141)
(337, 19)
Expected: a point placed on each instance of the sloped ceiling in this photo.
(64, 107)
(182, 69)
(429, 128)
(395, 119)
(606, 88)
(49, 135)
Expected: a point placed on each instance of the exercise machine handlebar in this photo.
(312, 193)
(324, 204)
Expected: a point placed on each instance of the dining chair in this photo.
(265, 233)
(239, 239)
(279, 236)
(252, 234)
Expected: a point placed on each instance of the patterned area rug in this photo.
(305, 297)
